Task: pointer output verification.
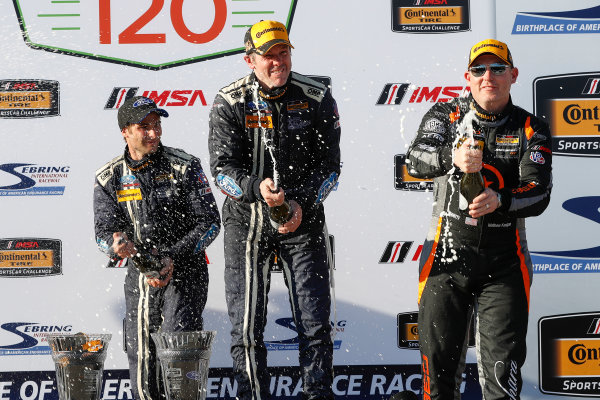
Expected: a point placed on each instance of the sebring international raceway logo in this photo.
(24, 179)
(561, 22)
(572, 261)
(27, 338)
(292, 343)
(145, 34)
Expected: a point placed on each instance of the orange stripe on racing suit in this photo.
(528, 129)
(524, 269)
(428, 264)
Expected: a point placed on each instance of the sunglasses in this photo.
(496, 68)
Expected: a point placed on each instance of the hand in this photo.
(165, 274)
(485, 203)
(295, 221)
(467, 157)
(122, 246)
(267, 188)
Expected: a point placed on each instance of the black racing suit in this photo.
(164, 202)
(481, 265)
(305, 125)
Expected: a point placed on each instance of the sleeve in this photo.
(532, 196)
(202, 210)
(108, 217)
(227, 153)
(322, 179)
(430, 153)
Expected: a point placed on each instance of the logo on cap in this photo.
(142, 102)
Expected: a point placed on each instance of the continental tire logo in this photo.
(423, 13)
(259, 34)
(579, 354)
(403, 181)
(577, 113)
(30, 257)
(570, 104)
(29, 98)
(569, 348)
(408, 330)
(448, 16)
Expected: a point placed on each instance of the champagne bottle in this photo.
(148, 264)
(471, 185)
(280, 214)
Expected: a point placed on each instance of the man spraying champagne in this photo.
(475, 258)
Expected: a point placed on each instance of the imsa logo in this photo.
(397, 252)
(392, 94)
(169, 98)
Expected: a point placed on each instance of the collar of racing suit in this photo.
(272, 94)
(487, 117)
(137, 165)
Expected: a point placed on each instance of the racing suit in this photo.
(305, 123)
(478, 265)
(162, 202)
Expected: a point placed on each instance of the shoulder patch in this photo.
(180, 154)
(229, 187)
(310, 87)
(236, 91)
(104, 173)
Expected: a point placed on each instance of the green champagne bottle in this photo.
(280, 214)
(471, 185)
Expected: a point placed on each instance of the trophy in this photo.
(184, 359)
(280, 214)
(79, 363)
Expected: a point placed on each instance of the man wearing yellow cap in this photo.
(475, 258)
(274, 149)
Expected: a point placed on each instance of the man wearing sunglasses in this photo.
(475, 258)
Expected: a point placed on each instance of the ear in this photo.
(249, 61)
(468, 76)
(124, 133)
(514, 73)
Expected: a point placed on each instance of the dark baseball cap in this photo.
(263, 35)
(135, 109)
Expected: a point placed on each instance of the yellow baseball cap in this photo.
(265, 34)
(491, 46)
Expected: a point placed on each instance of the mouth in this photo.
(278, 71)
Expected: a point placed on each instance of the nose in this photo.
(277, 58)
(152, 132)
(488, 74)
